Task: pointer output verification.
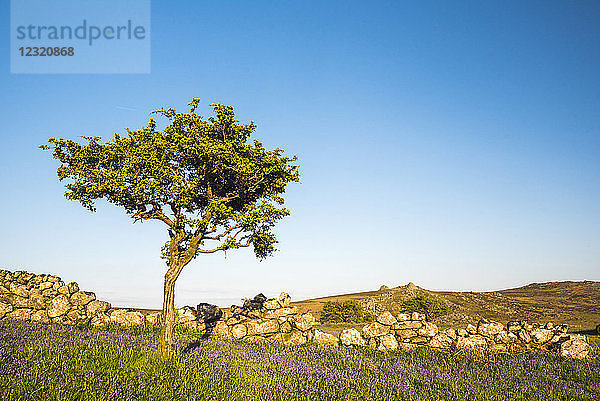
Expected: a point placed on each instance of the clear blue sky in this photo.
(455, 145)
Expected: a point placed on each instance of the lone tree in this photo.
(202, 178)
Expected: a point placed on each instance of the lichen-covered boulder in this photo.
(255, 303)
(407, 347)
(5, 308)
(40, 316)
(82, 297)
(236, 319)
(293, 338)
(262, 327)
(281, 312)
(575, 346)
(541, 336)
(208, 313)
(323, 338)
(374, 330)
(452, 333)
(100, 319)
(386, 318)
(186, 314)
(59, 306)
(221, 330)
(18, 289)
(489, 329)
(351, 337)
(404, 335)
(73, 287)
(285, 326)
(472, 342)
(504, 337)
(45, 285)
(20, 302)
(239, 331)
(524, 336)
(3, 289)
(441, 340)
(96, 307)
(407, 324)
(36, 299)
(304, 322)
(153, 318)
(421, 340)
(284, 299)
(403, 316)
(20, 314)
(498, 347)
(63, 289)
(387, 342)
(428, 330)
(513, 326)
(126, 317)
(77, 316)
(271, 304)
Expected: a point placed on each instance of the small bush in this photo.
(430, 307)
(349, 311)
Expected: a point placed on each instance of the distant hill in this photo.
(576, 303)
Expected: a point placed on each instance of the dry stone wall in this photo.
(46, 298)
(258, 320)
(408, 331)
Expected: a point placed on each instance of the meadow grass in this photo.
(52, 362)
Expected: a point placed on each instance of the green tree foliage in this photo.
(211, 187)
(430, 307)
(349, 311)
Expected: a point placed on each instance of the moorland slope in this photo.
(576, 303)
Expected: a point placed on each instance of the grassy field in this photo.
(51, 362)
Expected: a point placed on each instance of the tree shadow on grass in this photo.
(198, 341)
(587, 332)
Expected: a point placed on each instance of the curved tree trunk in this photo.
(177, 263)
(168, 310)
(168, 317)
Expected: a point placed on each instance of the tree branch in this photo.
(224, 233)
(155, 213)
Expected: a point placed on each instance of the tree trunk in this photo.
(168, 314)
(177, 263)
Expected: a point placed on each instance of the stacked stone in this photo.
(408, 331)
(266, 320)
(405, 331)
(46, 298)
(259, 320)
(514, 336)
(522, 335)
